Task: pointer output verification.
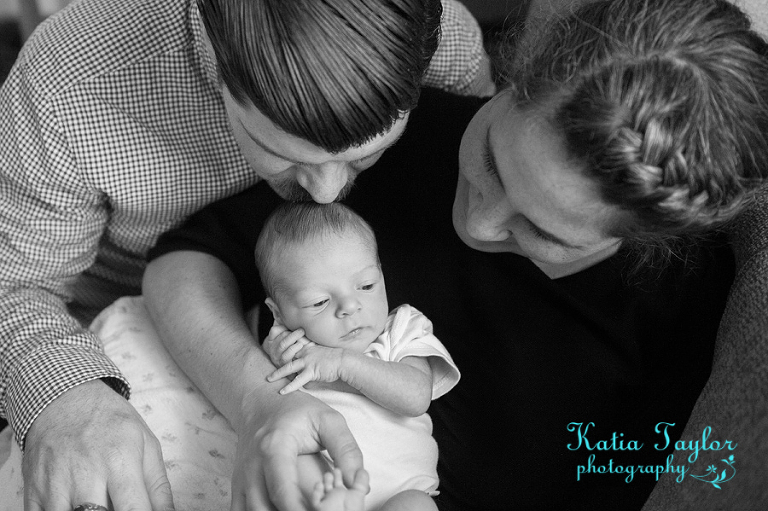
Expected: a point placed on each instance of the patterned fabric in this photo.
(460, 63)
(92, 171)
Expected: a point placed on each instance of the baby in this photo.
(333, 330)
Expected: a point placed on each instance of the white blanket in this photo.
(175, 410)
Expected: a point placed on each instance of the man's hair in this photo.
(294, 223)
(663, 104)
(336, 73)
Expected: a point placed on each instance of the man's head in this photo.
(320, 268)
(318, 87)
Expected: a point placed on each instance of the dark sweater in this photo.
(535, 354)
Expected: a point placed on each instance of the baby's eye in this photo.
(319, 303)
(368, 287)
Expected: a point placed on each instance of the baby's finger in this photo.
(290, 353)
(294, 366)
(290, 339)
(275, 331)
(297, 383)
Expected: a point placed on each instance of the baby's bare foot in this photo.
(332, 495)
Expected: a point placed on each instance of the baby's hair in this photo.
(663, 103)
(294, 223)
(333, 72)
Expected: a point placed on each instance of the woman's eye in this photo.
(490, 167)
(538, 234)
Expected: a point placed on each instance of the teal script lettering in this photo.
(616, 443)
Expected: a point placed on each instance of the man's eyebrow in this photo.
(274, 153)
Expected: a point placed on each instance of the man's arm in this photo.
(195, 303)
(63, 398)
(460, 64)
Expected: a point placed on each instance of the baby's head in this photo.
(320, 269)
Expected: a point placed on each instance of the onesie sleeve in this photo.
(410, 335)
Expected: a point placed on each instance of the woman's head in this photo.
(660, 108)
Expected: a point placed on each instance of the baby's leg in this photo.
(332, 495)
(410, 500)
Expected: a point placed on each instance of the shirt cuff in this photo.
(48, 373)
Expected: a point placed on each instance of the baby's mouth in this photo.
(353, 333)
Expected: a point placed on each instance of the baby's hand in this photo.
(312, 363)
(282, 344)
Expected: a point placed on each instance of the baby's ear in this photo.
(275, 310)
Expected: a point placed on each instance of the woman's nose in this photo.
(488, 216)
(324, 182)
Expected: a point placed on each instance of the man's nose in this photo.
(325, 181)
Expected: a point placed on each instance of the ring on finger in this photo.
(88, 506)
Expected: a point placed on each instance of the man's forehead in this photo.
(275, 141)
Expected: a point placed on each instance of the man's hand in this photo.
(267, 457)
(282, 344)
(90, 445)
(311, 363)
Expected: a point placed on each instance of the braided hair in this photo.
(663, 103)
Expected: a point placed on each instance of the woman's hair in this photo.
(663, 103)
(333, 72)
(294, 223)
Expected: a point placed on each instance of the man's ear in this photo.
(275, 310)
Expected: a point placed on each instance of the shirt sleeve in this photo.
(410, 334)
(50, 225)
(460, 64)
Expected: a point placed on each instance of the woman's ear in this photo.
(275, 310)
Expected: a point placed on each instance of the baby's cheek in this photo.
(321, 333)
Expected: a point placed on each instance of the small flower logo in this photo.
(713, 478)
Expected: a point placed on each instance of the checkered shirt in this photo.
(112, 131)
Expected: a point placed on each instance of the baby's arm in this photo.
(403, 387)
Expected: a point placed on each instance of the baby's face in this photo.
(333, 288)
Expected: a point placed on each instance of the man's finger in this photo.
(156, 480)
(342, 447)
(127, 489)
(281, 474)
